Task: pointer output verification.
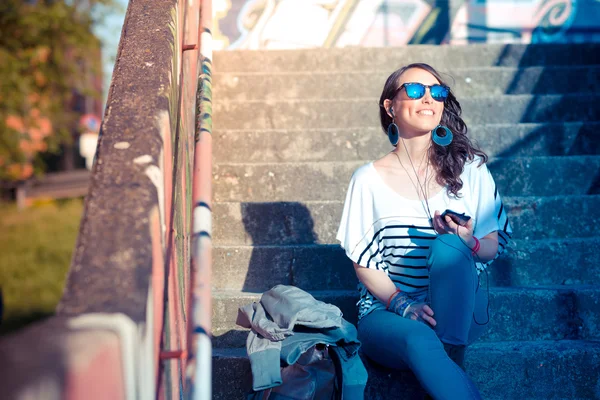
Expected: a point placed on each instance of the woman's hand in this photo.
(449, 226)
(420, 312)
(403, 304)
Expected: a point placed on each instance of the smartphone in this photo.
(460, 219)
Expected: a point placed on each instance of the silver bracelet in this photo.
(407, 307)
(400, 302)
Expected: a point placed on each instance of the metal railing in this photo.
(192, 348)
(199, 369)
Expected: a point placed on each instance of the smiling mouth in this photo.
(425, 112)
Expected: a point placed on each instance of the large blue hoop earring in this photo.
(441, 140)
(393, 134)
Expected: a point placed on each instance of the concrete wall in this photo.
(120, 328)
(286, 24)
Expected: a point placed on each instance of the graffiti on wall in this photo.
(288, 24)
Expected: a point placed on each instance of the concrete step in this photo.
(524, 263)
(471, 82)
(354, 144)
(353, 59)
(517, 313)
(356, 112)
(526, 176)
(313, 222)
(536, 370)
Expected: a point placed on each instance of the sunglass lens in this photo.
(414, 90)
(439, 92)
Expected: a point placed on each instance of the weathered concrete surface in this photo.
(468, 82)
(252, 182)
(370, 143)
(356, 112)
(536, 370)
(49, 360)
(284, 223)
(524, 263)
(112, 262)
(353, 59)
(286, 123)
(258, 268)
(543, 313)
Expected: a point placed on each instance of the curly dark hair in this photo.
(447, 161)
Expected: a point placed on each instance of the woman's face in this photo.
(421, 115)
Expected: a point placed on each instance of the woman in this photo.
(420, 300)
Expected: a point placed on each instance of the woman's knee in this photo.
(382, 334)
(404, 351)
(448, 254)
(421, 340)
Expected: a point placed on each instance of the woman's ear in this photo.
(387, 104)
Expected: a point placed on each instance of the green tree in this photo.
(47, 53)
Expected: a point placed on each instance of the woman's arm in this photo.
(376, 281)
(488, 244)
(382, 287)
(488, 247)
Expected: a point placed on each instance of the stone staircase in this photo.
(292, 126)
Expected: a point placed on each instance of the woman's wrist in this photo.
(487, 250)
(474, 244)
(477, 246)
(399, 302)
(391, 298)
(471, 242)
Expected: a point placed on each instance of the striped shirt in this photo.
(380, 229)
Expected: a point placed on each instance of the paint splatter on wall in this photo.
(292, 24)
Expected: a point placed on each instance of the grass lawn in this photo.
(35, 252)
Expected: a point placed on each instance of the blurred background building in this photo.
(287, 24)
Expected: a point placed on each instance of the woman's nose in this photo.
(427, 97)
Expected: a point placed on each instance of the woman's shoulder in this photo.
(363, 174)
(477, 159)
(370, 171)
(474, 166)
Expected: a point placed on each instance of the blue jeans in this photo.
(457, 301)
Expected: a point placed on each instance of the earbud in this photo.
(392, 111)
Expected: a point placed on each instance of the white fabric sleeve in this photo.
(491, 214)
(355, 233)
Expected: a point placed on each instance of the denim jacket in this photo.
(289, 321)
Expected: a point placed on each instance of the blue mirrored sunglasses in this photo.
(416, 90)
